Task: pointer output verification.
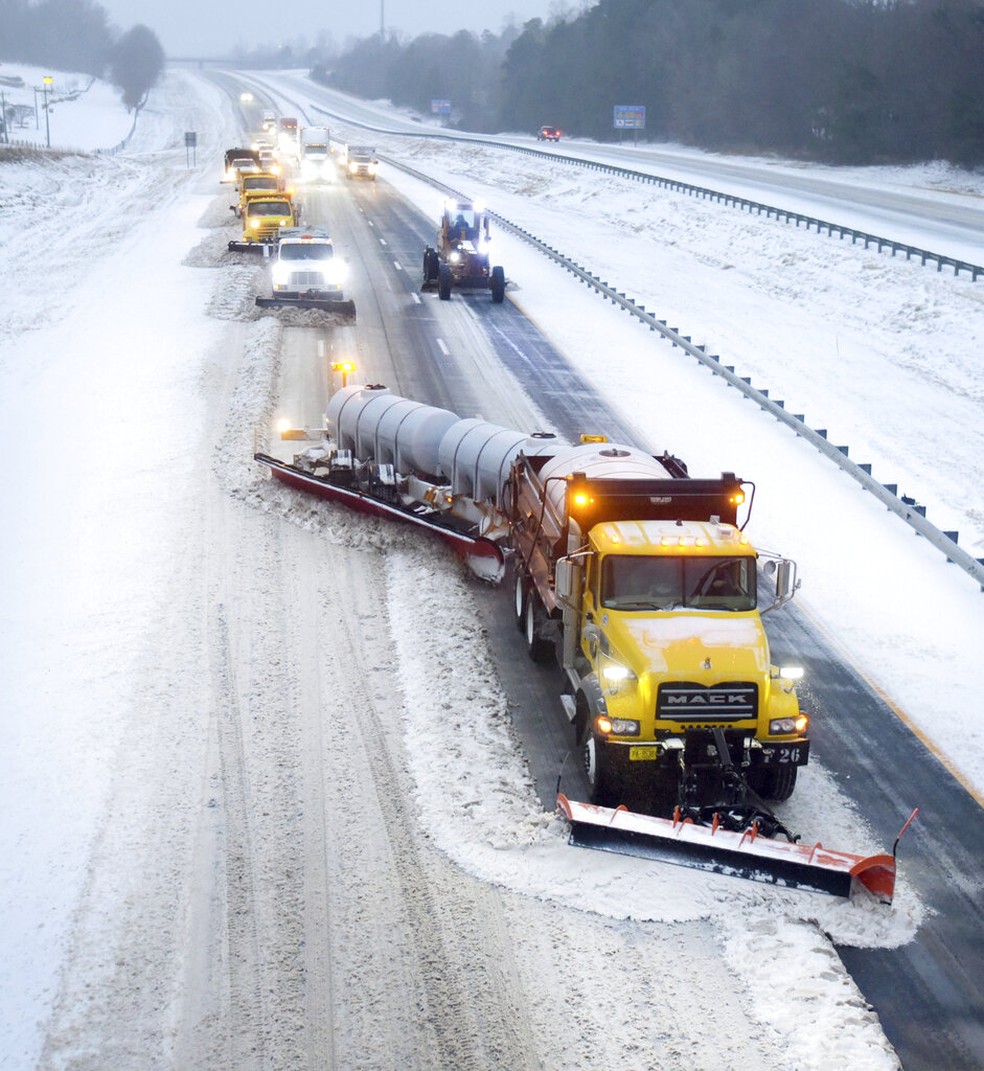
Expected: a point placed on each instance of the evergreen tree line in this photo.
(75, 35)
(845, 81)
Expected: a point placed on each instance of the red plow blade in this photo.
(721, 851)
(481, 555)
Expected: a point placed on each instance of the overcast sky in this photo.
(186, 28)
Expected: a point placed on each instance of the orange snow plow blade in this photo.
(721, 851)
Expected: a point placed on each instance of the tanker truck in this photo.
(642, 583)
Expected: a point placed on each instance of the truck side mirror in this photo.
(565, 580)
(786, 580)
(784, 576)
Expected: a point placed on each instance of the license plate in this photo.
(642, 753)
(796, 754)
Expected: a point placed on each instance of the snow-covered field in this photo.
(109, 362)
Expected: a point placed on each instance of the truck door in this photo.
(580, 650)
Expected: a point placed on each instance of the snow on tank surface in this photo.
(471, 454)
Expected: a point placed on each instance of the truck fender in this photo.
(590, 703)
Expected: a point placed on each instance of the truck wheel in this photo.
(498, 284)
(444, 283)
(519, 601)
(598, 772)
(430, 265)
(774, 783)
(537, 648)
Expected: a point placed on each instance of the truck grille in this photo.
(306, 278)
(686, 701)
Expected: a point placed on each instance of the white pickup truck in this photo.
(305, 273)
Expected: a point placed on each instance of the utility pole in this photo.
(382, 21)
(47, 126)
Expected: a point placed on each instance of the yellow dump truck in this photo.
(638, 577)
(263, 216)
(258, 184)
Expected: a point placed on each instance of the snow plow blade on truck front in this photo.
(344, 309)
(713, 848)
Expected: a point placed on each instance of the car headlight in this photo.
(455, 257)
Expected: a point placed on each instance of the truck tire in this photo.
(537, 648)
(430, 265)
(775, 783)
(498, 284)
(519, 601)
(444, 283)
(603, 789)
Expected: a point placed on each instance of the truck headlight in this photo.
(788, 726)
(615, 672)
(617, 726)
(336, 272)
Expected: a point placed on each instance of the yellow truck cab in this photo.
(669, 629)
(258, 184)
(263, 215)
(639, 578)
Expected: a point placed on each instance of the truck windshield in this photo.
(306, 251)
(268, 208)
(634, 582)
(464, 219)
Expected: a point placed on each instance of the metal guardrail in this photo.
(903, 506)
(925, 256)
(121, 145)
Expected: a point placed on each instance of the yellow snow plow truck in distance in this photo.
(261, 183)
(262, 217)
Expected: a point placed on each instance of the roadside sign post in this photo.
(630, 117)
(442, 107)
(191, 143)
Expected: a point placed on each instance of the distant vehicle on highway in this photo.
(548, 133)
